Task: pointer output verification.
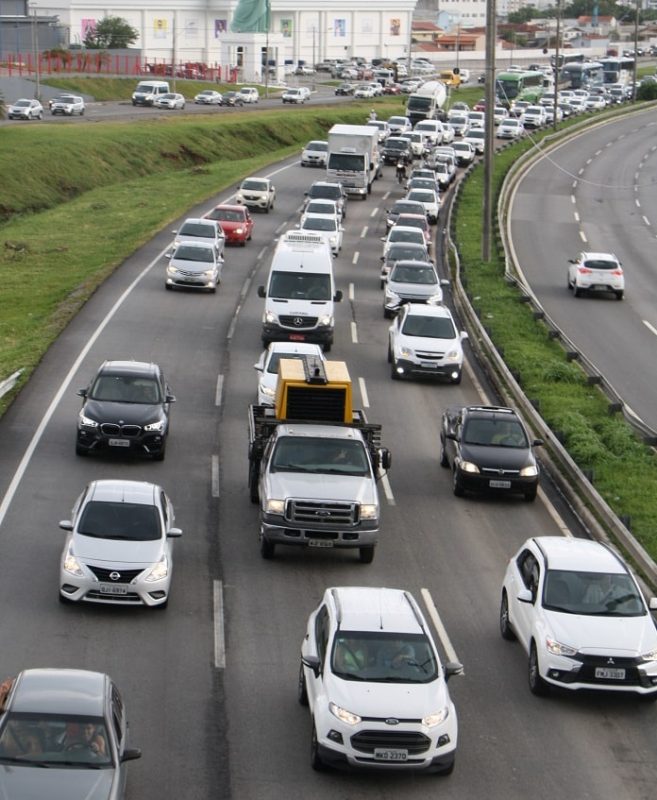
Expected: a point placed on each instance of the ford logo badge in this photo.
(392, 721)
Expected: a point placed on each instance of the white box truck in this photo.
(353, 158)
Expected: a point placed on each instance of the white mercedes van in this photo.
(300, 291)
(148, 91)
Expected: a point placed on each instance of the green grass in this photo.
(624, 470)
(93, 194)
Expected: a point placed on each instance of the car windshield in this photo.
(400, 235)
(319, 207)
(592, 593)
(254, 185)
(185, 252)
(422, 183)
(272, 364)
(64, 99)
(196, 229)
(168, 97)
(405, 274)
(125, 389)
(226, 215)
(476, 134)
(429, 327)
(319, 224)
(207, 93)
(495, 431)
(402, 206)
(133, 522)
(320, 455)
(399, 252)
(329, 192)
(397, 121)
(396, 144)
(414, 222)
(422, 196)
(22, 103)
(300, 286)
(459, 120)
(36, 739)
(378, 657)
(320, 146)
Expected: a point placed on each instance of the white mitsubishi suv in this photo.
(376, 689)
(579, 614)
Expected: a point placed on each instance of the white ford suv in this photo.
(376, 689)
(580, 616)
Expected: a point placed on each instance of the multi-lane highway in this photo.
(598, 193)
(210, 683)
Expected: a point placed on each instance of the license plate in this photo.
(297, 337)
(598, 287)
(608, 673)
(113, 588)
(384, 754)
(499, 484)
(320, 543)
(428, 364)
(119, 443)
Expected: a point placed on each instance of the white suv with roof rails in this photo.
(372, 678)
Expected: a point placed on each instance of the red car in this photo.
(392, 88)
(480, 105)
(236, 222)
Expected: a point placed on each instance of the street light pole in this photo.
(267, 18)
(37, 60)
(556, 64)
(491, 36)
(636, 47)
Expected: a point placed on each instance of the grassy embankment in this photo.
(75, 200)
(624, 470)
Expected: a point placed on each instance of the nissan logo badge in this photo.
(115, 576)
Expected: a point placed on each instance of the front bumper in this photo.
(145, 443)
(278, 531)
(137, 592)
(439, 369)
(275, 333)
(490, 482)
(594, 672)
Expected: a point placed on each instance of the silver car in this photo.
(194, 265)
(119, 547)
(25, 109)
(64, 734)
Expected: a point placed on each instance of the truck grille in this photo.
(298, 323)
(367, 741)
(316, 513)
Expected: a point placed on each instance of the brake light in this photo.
(584, 270)
(617, 272)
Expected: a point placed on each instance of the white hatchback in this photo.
(596, 272)
(429, 200)
(267, 365)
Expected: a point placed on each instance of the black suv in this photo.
(487, 447)
(395, 149)
(126, 409)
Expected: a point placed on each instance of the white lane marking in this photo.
(574, 184)
(573, 199)
(233, 322)
(636, 176)
(280, 227)
(351, 292)
(581, 171)
(588, 161)
(363, 232)
(386, 195)
(637, 202)
(214, 479)
(63, 387)
(261, 254)
(374, 212)
(576, 215)
(582, 236)
(646, 220)
(363, 393)
(246, 287)
(387, 490)
(597, 152)
(219, 639)
(609, 144)
(354, 333)
(219, 390)
(355, 257)
(650, 327)
(450, 652)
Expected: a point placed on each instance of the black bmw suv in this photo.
(126, 409)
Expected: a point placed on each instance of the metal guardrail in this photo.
(8, 384)
(594, 513)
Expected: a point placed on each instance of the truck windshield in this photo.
(418, 103)
(352, 162)
(300, 286)
(320, 455)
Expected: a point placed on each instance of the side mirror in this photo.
(174, 533)
(313, 663)
(259, 366)
(537, 442)
(572, 261)
(170, 398)
(337, 297)
(525, 596)
(453, 668)
(385, 458)
(82, 392)
(66, 525)
(445, 282)
(131, 754)
(464, 335)
(652, 603)
(261, 291)
(174, 231)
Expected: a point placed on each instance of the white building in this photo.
(466, 13)
(200, 30)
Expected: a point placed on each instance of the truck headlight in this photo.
(72, 565)
(431, 720)
(325, 321)
(155, 426)
(369, 511)
(158, 571)
(468, 466)
(267, 391)
(275, 507)
(529, 472)
(348, 717)
(558, 649)
(86, 422)
(270, 317)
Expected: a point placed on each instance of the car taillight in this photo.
(617, 272)
(584, 270)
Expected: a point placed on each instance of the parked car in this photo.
(257, 193)
(119, 548)
(194, 265)
(314, 154)
(25, 109)
(267, 365)
(580, 616)
(236, 222)
(425, 342)
(67, 104)
(488, 448)
(376, 690)
(171, 100)
(64, 733)
(595, 273)
(125, 409)
(232, 99)
(209, 97)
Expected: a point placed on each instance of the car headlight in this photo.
(209, 273)
(343, 715)
(468, 466)
(406, 352)
(529, 472)
(435, 299)
(368, 511)
(453, 355)
(156, 426)
(392, 297)
(651, 655)
(275, 507)
(431, 720)
(72, 565)
(86, 422)
(270, 317)
(325, 321)
(172, 271)
(558, 649)
(239, 231)
(159, 571)
(267, 391)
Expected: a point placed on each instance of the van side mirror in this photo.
(261, 291)
(337, 297)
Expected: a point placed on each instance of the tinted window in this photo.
(385, 657)
(420, 275)
(319, 455)
(197, 229)
(187, 253)
(129, 521)
(301, 286)
(431, 327)
(125, 389)
(500, 432)
(592, 593)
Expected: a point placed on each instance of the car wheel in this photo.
(66, 601)
(448, 769)
(387, 314)
(267, 549)
(162, 606)
(253, 483)
(444, 461)
(530, 494)
(619, 295)
(576, 290)
(389, 355)
(327, 347)
(302, 693)
(366, 554)
(80, 451)
(315, 761)
(243, 243)
(506, 631)
(160, 456)
(393, 370)
(537, 685)
(168, 287)
(457, 486)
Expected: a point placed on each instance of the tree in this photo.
(111, 33)
(524, 14)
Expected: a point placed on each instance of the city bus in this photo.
(581, 76)
(513, 86)
(617, 69)
(568, 57)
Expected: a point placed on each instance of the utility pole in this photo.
(267, 20)
(37, 59)
(491, 36)
(556, 64)
(636, 47)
